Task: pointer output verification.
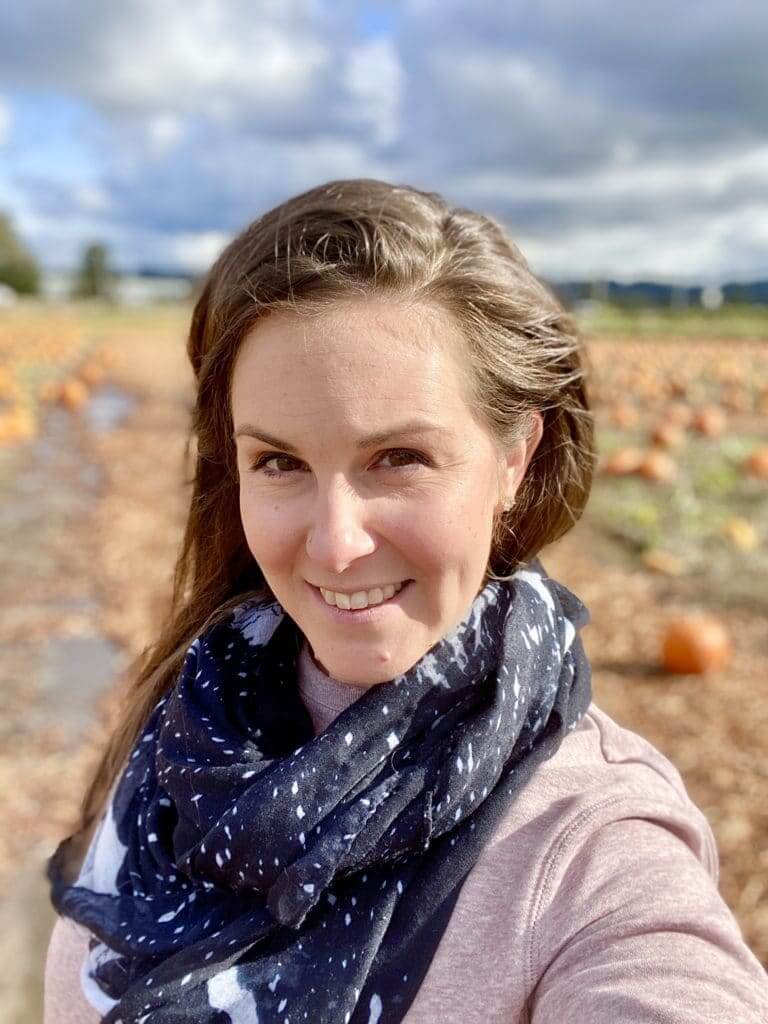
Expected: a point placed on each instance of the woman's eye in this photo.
(260, 463)
(408, 455)
(398, 454)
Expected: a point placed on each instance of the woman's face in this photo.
(326, 504)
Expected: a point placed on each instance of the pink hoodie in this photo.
(596, 901)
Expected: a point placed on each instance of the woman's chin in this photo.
(376, 670)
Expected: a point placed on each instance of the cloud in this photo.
(195, 250)
(5, 122)
(552, 87)
(727, 246)
(164, 132)
(373, 76)
(612, 139)
(285, 68)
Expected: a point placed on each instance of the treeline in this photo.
(20, 270)
(642, 294)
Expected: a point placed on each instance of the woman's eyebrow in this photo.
(366, 441)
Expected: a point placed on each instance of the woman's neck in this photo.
(324, 696)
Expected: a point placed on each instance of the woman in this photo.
(360, 777)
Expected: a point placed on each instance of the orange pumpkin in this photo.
(709, 420)
(658, 560)
(667, 434)
(695, 643)
(622, 462)
(91, 373)
(741, 533)
(736, 398)
(677, 386)
(623, 415)
(756, 463)
(658, 466)
(17, 425)
(679, 413)
(73, 393)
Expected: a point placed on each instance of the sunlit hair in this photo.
(353, 239)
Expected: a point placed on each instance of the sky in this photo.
(623, 140)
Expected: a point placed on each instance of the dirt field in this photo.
(92, 518)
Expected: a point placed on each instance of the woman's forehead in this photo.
(292, 388)
(383, 347)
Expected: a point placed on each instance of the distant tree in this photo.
(18, 268)
(94, 279)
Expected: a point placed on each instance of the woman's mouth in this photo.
(363, 605)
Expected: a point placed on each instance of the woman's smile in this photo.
(360, 615)
(362, 596)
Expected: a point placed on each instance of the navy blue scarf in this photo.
(249, 872)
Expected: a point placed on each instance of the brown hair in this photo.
(358, 238)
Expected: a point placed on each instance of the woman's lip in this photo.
(360, 615)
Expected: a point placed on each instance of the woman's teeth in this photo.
(361, 598)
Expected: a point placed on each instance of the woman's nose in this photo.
(337, 535)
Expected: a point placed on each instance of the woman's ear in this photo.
(519, 457)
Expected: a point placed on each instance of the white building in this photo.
(130, 289)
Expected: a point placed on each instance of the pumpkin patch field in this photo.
(683, 438)
(670, 558)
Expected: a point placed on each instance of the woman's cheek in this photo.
(264, 525)
(429, 529)
(462, 524)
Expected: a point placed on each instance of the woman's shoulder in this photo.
(603, 772)
(604, 861)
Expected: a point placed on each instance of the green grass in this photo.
(732, 320)
(96, 314)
